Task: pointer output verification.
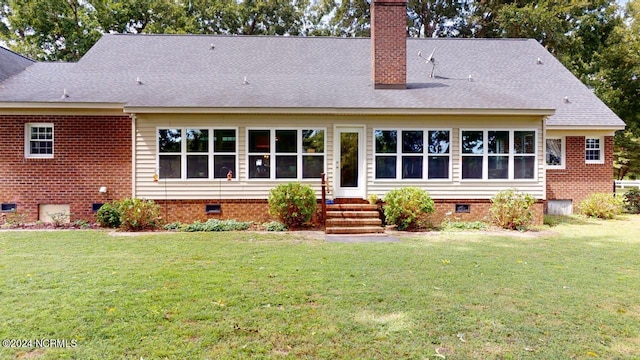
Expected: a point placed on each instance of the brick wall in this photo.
(479, 211)
(389, 44)
(579, 179)
(89, 152)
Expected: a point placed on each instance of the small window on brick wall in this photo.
(593, 151)
(38, 140)
(8, 207)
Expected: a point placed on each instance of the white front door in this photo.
(350, 162)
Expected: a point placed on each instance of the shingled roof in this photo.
(316, 74)
(12, 63)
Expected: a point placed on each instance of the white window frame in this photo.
(399, 154)
(28, 140)
(211, 153)
(272, 153)
(600, 149)
(511, 154)
(563, 153)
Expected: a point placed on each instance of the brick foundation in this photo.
(89, 152)
(579, 179)
(479, 211)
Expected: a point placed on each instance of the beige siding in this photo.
(243, 188)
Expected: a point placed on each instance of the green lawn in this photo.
(570, 294)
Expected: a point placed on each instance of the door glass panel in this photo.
(349, 159)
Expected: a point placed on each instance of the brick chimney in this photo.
(389, 44)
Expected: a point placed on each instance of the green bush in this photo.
(138, 214)
(109, 215)
(602, 205)
(632, 199)
(275, 226)
(292, 203)
(407, 207)
(215, 225)
(511, 209)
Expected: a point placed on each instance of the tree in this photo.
(626, 157)
(49, 29)
(344, 18)
(429, 18)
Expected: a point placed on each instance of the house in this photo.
(207, 125)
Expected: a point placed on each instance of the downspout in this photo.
(133, 155)
(544, 158)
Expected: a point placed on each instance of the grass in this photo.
(569, 294)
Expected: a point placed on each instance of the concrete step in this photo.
(355, 230)
(352, 214)
(352, 222)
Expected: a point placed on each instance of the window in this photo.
(555, 153)
(285, 153)
(38, 140)
(498, 154)
(593, 151)
(193, 153)
(421, 154)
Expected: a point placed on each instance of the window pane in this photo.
(286, 141)
(554, 152)
(286, 167)
(438, 142)
(438, 167)
(472, 167)
(523, 167)
(472, 142)
(222, 164)
(592, 155)
(197, 140)
(313, 141)
(41, 147)
(498, 167)
(385, 167)
(412, 167)
(197, 166)
(224, 141)
(524, 142)
(170, 166)
(312, 166)
(412, 141)
(258, 166)
(593, 143)
(259, 141)
(386, 141)
(498, 142)
(169, 140)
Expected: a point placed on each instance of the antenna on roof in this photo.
(428, 60)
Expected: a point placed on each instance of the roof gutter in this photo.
(334, 111)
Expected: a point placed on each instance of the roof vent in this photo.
(212, 47)
(539, 61)
(245, 81)
(470, 78)
(138, 81)
(64, 94)
(566, 100)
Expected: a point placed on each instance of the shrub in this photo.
(138, 214)
(632, 198)
(215, 225)
(602, 205)
(59, 219)
(511, 209)
(406, 207)
(463, 225)
(292, 203)
(173, 226)
(275, 226)
(109, 215)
